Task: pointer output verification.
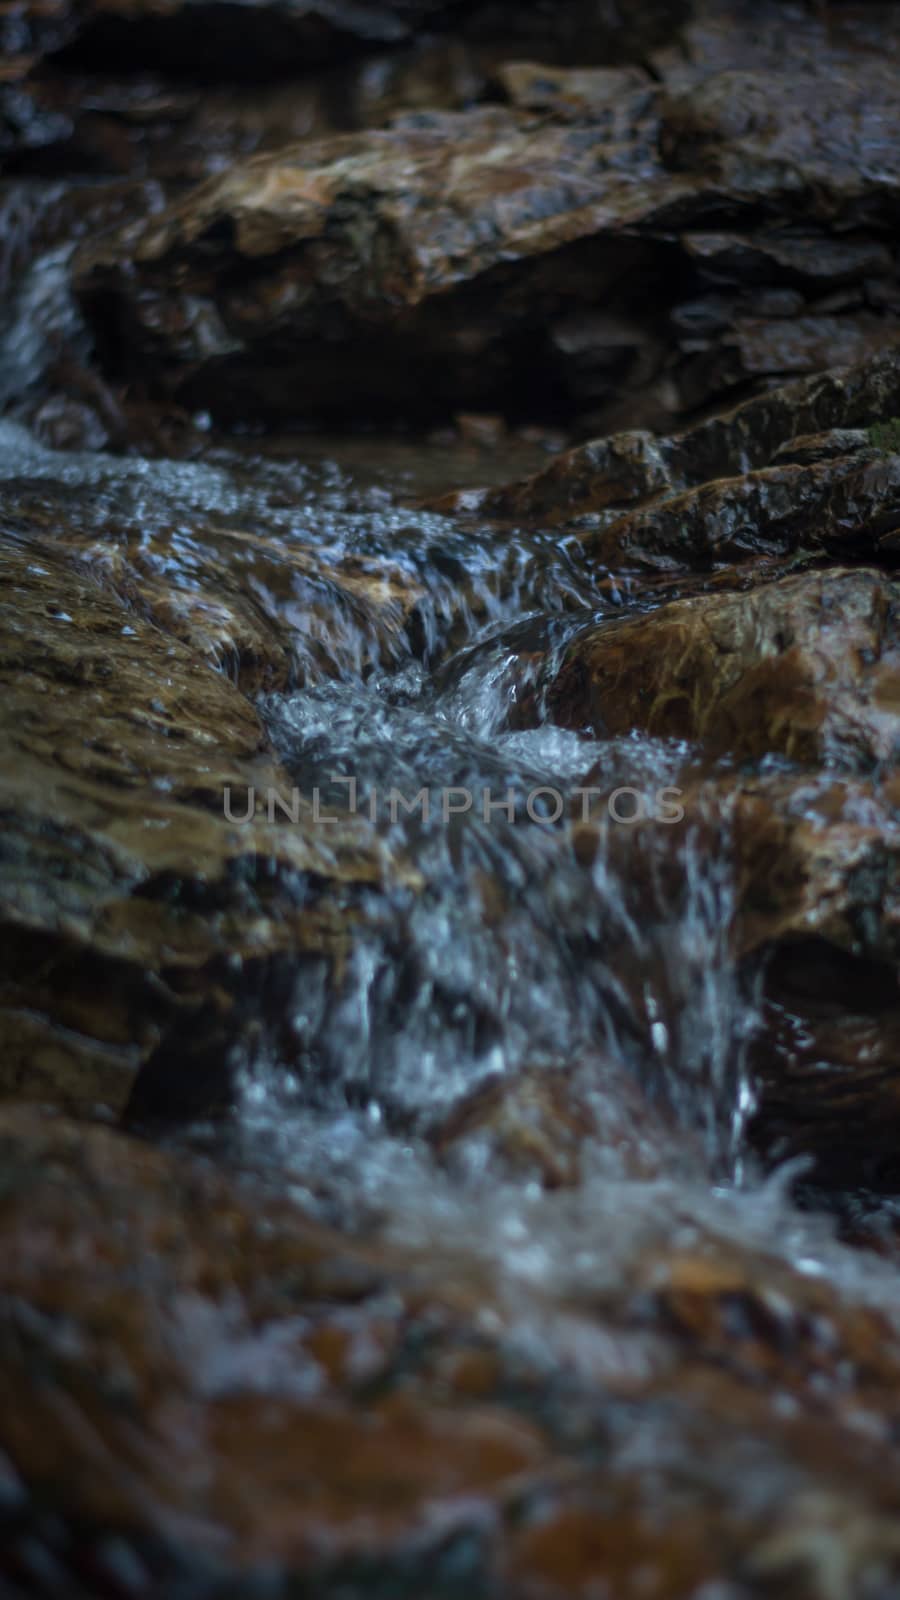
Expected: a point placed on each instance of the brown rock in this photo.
(806, 422)
(171, 1393)
(268, 611)
(539, 263)
(549, 1125)
(235, 1446)
(448, 216)
(605, 473)
(816, 860)
(806, 666)
(130, 904)
(535, 86)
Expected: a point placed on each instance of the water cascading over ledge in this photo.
(448, 888)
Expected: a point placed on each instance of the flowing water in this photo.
(506, 946)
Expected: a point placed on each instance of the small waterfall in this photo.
(516, 952)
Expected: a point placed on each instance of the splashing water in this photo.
(514, 955)
(533, 944)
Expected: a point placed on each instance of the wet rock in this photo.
(132, 909)
(806, 667)
(630, 263)
(738, 128)
(217, 562)
(269, 1384)
(413, 261)
(806, 422)
(266, 936)
(846, 505)
(201, 1383)
(817, 862)
(534, 86)
(769, 37)
(554, 1126)
(594, 477)
(810, 448)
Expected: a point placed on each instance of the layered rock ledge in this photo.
(634, 258)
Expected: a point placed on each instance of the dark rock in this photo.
(848, 505)
(817, 862)
(745, 132)
(808, 421)
(825, 1060)
(180, 132)
(624, 255)
(410, 240)
(767, 36)
(29, 29)
(276, 38)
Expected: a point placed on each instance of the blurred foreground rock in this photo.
(201, 1386)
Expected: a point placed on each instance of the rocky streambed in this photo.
(450, 851)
